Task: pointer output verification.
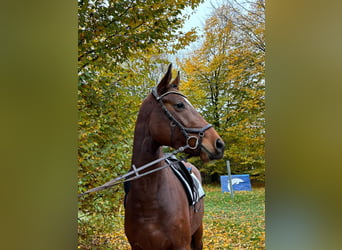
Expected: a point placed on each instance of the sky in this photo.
(197, 19)
(201, 13)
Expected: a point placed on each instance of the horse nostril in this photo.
(219, 144)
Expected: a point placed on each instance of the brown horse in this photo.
(157, 214)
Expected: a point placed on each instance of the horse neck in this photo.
(145, 149)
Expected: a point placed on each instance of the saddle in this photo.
(192, 186)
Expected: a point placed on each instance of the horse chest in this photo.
(158, 205)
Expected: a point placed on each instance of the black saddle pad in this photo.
(190, 185)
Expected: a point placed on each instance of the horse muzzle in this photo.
(215, 152)
(219, 146)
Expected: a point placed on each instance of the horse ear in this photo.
(175, 82)
(164, 83)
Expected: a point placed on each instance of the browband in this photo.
(158, 97)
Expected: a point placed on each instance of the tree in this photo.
(228, 68)
(251, 21)
(121, 46)
(112, 31)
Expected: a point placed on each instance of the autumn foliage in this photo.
(123, 49)
(225, 79)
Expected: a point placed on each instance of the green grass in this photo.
(237, 223)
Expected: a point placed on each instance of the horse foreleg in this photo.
(196, 241)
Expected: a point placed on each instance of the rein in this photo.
(190, 139)
(135, 172)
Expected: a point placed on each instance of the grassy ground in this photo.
(237, 223)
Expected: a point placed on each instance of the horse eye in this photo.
(180, 105)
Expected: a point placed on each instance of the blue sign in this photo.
(240, 182)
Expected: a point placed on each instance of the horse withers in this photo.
(157, 212)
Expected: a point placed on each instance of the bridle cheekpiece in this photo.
(192, 141)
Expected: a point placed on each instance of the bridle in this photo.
(194, 142)
(135, 172)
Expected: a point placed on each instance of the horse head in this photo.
(176, 123)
